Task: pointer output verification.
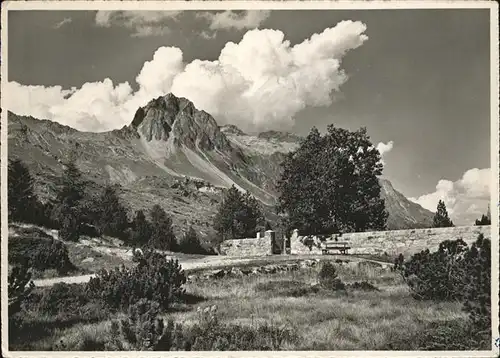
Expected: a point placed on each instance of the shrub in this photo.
(437, 275)
(477, 283)
(154, 278)
(62, 298)
(142, 330)
(455, 272)
(19, 288)
(328, 279)
(363, 286)
(40, 252)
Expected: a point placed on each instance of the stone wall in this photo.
(259, 246)
(407, 242)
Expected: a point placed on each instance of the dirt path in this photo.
(216, 262)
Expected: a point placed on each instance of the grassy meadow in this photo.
(386, 318)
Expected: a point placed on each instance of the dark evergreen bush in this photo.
(438, 275)
(190, 243)
(328, 279)
(19, 287)
(40, 253)
(154, 277)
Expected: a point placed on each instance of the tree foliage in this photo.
(329, 184)
(21, 197)
(485, 219)
(154, 278)
(239, 215)
(140, 229)
(19, 288)
(190, 243)
(112, 215)
(441, 218)
(162, 233)
(68, 210)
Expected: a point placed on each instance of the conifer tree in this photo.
(141, 229)
(238, 216)
(190, 243)
(22, 201)
(441, 218)
(485, 219)
(112, 216)
(68, 211)
(162, 234)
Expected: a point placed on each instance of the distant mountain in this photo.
(174, 155)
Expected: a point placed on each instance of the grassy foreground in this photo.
(384, 319)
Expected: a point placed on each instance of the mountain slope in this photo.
(174, 155)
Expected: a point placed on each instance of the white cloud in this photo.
(384, 148)
(66, 20)
(143, 23)
(259, 83)
(466, 199)
(239, 20)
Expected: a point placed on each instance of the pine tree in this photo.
(238, 216)
(22, 201)
(141, 229)
(190, 243)
(68, 211)
(485, 219)
(441, 218)
(329, 184)
(112, 216)
(162, 234)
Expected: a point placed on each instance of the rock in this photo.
(88, 260)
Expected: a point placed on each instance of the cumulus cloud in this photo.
(466, 199)
(142, 23)
(257, 84)
(239, 20)
(66, 20)
(384, 148)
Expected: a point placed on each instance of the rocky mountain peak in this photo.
(176, 118)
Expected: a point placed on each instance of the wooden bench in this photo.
(343, 247)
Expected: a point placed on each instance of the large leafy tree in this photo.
(22, 200)
(162, 233)
(329, 184)
(112, 218)
(238, 216)
(441, 218)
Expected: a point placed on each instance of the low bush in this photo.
(154, 278)
(456, 335)
(438, 275)
(142, 330)
(363, 286)
(328, 278)
(40, 253)
(19, 288)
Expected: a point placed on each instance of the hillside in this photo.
(174, 155)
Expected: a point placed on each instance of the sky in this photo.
(418, 80)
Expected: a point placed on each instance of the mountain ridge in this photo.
(169, 142)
